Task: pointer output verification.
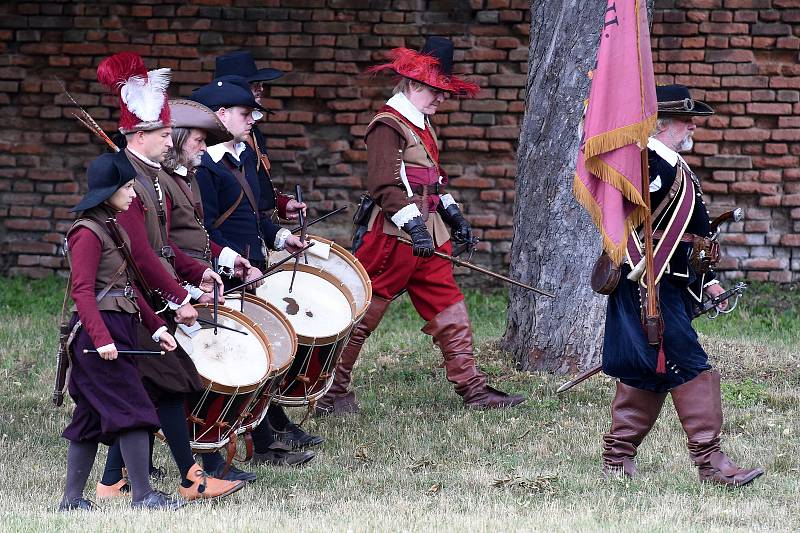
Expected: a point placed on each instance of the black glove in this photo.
(461, 233)
(421, 241)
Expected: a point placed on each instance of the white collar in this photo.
(404, 106)
(144, 160)
(181, 170)
(218, 150)
(667, 154)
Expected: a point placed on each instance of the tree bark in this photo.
(555, 242)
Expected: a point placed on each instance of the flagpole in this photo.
(652, 318)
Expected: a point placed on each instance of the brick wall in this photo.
(742, 57)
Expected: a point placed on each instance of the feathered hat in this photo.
(142, 94)
(433, 66)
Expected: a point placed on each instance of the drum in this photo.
(321, 310)
(234, 366)
(344, 266)
(283, 341)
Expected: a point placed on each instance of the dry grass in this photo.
(414, 460)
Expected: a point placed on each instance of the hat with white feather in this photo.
(142, 94)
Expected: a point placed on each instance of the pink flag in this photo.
(620, 115)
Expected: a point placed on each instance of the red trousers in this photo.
(392, 267)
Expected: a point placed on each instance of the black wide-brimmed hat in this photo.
(106, 175)
(225, 93)
(191, 114)
(675, 100)
(241, 63)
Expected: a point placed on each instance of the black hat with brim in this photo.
(106, 175)
(241, 82)
(241, 63)
(225, 93)
(675, 100)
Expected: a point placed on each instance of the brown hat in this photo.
(191, 114)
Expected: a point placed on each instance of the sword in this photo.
(699, 310)
(476, 268)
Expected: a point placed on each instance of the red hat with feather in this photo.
(432, 66)
(142, 94)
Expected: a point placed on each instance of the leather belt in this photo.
(197, 254)
(686, 237)
(127, 292)
(420, 189)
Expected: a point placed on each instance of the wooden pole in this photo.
(652, 314)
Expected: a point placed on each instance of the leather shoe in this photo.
(117, 490)
(279, 454)
(337, 405)
(206, 487)
(233, 474)
(158, 500)
(493, 399)
(78, 504)
(295, 437)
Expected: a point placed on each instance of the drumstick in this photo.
(246, 256)
(303, 221)
(131, 352)
(218, 325)
(216, 297)
(321, 218)
(271, 269)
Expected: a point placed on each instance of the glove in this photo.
(461, 233)
(421, 241)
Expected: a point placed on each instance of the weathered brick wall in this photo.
(740, 55)
(323, 104)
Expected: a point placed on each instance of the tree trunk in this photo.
(555, 243)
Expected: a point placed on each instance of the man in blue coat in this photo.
(237, 214)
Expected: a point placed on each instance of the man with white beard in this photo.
(685, 252)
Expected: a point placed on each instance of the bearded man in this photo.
(680, 366)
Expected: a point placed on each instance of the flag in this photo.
(619, 117)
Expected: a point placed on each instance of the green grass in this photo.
(415, 460)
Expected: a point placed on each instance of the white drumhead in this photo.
(280, 338)
(341, 269)
(229, 358)
(315, 307)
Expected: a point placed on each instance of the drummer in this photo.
(145, 122)
(111, 404)
(235, 215)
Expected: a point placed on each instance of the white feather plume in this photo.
(145, 97)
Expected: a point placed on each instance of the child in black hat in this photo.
(110, 401)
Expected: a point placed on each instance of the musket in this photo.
(699, 310)
(476, 268)
(321, 218)
(271, 269)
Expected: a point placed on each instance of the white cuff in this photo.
(157, 335)
(404, 215)
(447, 200)
(280, 238)
(106, 346)
(174, 306)
(710, 283)
(227, 258)
(193, 291)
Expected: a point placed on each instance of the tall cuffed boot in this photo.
(340, 399)
(699, 406)
(452, 333)
(633, 413)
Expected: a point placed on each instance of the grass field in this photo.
(415, 460)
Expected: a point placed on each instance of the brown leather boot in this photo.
(633, 413)
(699, 406)
(339, 399)
(452, 333)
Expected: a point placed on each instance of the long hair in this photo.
(175, 157)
